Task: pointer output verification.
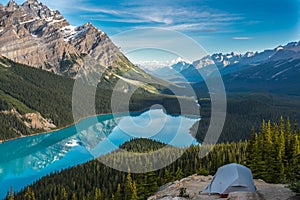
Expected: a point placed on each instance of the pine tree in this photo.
(98, 194)
(134, 192)
(118, 195)
(167, 176)
(267, 152)
(270, 154)
(29, 194)
(179, 174)
(149, 185)
(295, 183)
(255, 158)
(128, 187)
(295, 152)
(63, 194)
(280, 143)
(11, 194)
(74, 197)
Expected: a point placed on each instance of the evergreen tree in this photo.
(134, 192)
(128, 187)
(168, 176)
(150, 184)
(86, 180)
(179, 174)
(11, 194)
(63, 194)
(295, 183)
(267, 152)
(74, 197)
(281, 156)
(118, 195)
(98, 194)
(29, 194)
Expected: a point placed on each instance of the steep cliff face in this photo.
(37, 36)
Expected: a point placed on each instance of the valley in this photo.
(80, 120)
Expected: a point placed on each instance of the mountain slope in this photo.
(277, 77)
(34, 35)
(30, 96)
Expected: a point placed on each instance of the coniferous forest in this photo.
(272, 153)
(27, 90)
(30, 90)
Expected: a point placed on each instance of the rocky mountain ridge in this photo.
(287, 52)
(37, 36)
(279, 63)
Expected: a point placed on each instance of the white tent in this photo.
(231, 178)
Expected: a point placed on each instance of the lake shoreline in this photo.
(60, 128)
(40, 155)
(78, 121)
(74, 123)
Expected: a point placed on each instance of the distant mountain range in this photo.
(260, 71)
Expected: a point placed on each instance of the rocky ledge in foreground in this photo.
(194, 184)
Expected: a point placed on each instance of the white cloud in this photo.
(99, 10)
(170, 16)
(152, 65)
(154, 14)
(242, 38)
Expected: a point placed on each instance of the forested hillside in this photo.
(246, 111)
(276, 163)
(30, 90)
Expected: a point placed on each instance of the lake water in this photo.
(26, 160)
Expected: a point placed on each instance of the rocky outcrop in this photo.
(36, 121)
(37, 36)
(32, 120)
(194, 185)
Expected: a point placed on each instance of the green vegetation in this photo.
(11, 126)
(33, 90)
(30, 90)
(273, 153)
(7, 102)
(183, 193)
(84, 181)
(246, 111)
(295, 182)
(276, 163)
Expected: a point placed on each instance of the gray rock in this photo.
(37, 36)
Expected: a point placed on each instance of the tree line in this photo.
(28, 89)
(272, 154)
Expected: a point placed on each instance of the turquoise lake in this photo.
(27, 159)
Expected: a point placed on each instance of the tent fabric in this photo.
(231, 178)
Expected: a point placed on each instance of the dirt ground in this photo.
(194, 184)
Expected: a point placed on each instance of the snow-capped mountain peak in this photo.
(249, 54)
(231, 62)
(279, 48)
(179, 59)
(271, 64)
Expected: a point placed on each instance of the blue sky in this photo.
(218, 25)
